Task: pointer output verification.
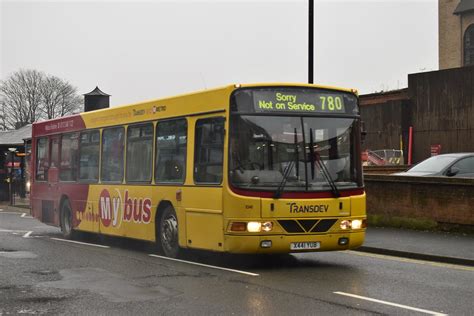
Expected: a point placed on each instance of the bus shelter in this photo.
(14, 161)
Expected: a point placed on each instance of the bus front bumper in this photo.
(283, 243)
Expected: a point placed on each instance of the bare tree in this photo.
(21, 98)
(59, 98)
(29, 95)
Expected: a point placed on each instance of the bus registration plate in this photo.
(305, 245)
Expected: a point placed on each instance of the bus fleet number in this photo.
(332, 103)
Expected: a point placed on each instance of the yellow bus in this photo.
(255, 168)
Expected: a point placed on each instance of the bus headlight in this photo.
(345, 224)
(254, 227)
(267, 226)
(251, 227)
(356, 224)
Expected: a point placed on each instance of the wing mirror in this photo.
(452, 171)
(363, 132)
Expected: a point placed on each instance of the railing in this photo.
(384, 157)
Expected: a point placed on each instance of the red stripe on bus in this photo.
(61, 125)
(297, 195)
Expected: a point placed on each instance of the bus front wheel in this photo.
(167, 233)
(66, 220)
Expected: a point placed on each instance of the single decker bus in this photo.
(255, 168)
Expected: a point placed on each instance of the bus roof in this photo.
(211, 100)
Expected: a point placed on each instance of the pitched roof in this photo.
(463, 6)
(97, 91)
(15, 137)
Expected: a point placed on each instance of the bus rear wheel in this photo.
(66, 220)
(167, 233)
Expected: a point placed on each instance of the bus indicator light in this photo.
(238, 227)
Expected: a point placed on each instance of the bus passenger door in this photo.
(203, 199)
(50, 200)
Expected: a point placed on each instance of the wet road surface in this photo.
(43, 274)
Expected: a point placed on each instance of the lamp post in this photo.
(310, 41)
(12, 151)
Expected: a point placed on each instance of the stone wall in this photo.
(450, 39)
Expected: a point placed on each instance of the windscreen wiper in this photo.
(287, 171)
(315, 157)
(297, 155)
(286, 174)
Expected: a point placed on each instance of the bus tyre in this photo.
(66, 220)
(167, 233)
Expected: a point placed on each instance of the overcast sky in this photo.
(150, 49)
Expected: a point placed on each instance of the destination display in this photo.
(298, 101)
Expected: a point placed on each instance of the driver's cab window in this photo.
(208, 150)
(42, 159)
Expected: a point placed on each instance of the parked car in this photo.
(460, 165)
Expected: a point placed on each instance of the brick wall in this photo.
(444, 200)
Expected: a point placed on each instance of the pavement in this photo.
(434, 246)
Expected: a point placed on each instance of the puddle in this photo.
(40, 300)
(17, 254)
(44, 272)
(113, 287)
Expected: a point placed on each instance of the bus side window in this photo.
(112, 154)
(139, 153)
(208, 150)
(171, 142)
(42, 159)
(69, 153)
(54, 152)
(89, 156)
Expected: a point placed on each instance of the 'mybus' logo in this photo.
(113, 211)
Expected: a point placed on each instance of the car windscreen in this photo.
(433, 164)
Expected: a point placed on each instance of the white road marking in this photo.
(408, 260)
(12, 231)
(392, 304)
(27, 235)
(80, 243)
(9, 213)
(23, 215)
(206, 265)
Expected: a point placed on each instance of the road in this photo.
(43, 274)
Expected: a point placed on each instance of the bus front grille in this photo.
(307, 225)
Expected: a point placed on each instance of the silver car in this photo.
(460, 165)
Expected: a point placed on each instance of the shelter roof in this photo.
(15, 137)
